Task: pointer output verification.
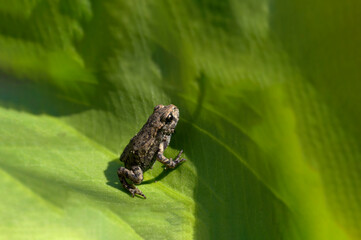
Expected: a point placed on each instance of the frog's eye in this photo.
(169, 118)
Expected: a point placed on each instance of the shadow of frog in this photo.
(112, 177)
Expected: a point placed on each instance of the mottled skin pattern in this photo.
(148, 146)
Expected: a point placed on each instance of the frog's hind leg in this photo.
(125, 184)
(135, 175)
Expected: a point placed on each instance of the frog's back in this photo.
(142, 148)
(126, 152)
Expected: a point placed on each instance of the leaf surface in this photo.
(269, 130)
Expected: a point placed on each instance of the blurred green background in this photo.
(269, 95)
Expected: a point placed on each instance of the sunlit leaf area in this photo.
(269, 94)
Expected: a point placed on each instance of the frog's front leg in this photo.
(170, 163)
(135, 175)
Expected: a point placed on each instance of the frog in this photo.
(148, 146)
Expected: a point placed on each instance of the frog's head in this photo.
(169, 116)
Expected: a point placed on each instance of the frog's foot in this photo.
(135, 175)
(131, 188)
(135, 190)
(170, 163)
(179, 160)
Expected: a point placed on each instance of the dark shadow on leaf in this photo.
(162, 175)
(111, 174)
(112, 178)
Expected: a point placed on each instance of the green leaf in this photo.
(268, 95)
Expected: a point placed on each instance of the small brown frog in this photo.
(148, 146)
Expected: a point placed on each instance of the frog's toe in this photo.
(142, 195)
(179, 154)
(181, 161)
